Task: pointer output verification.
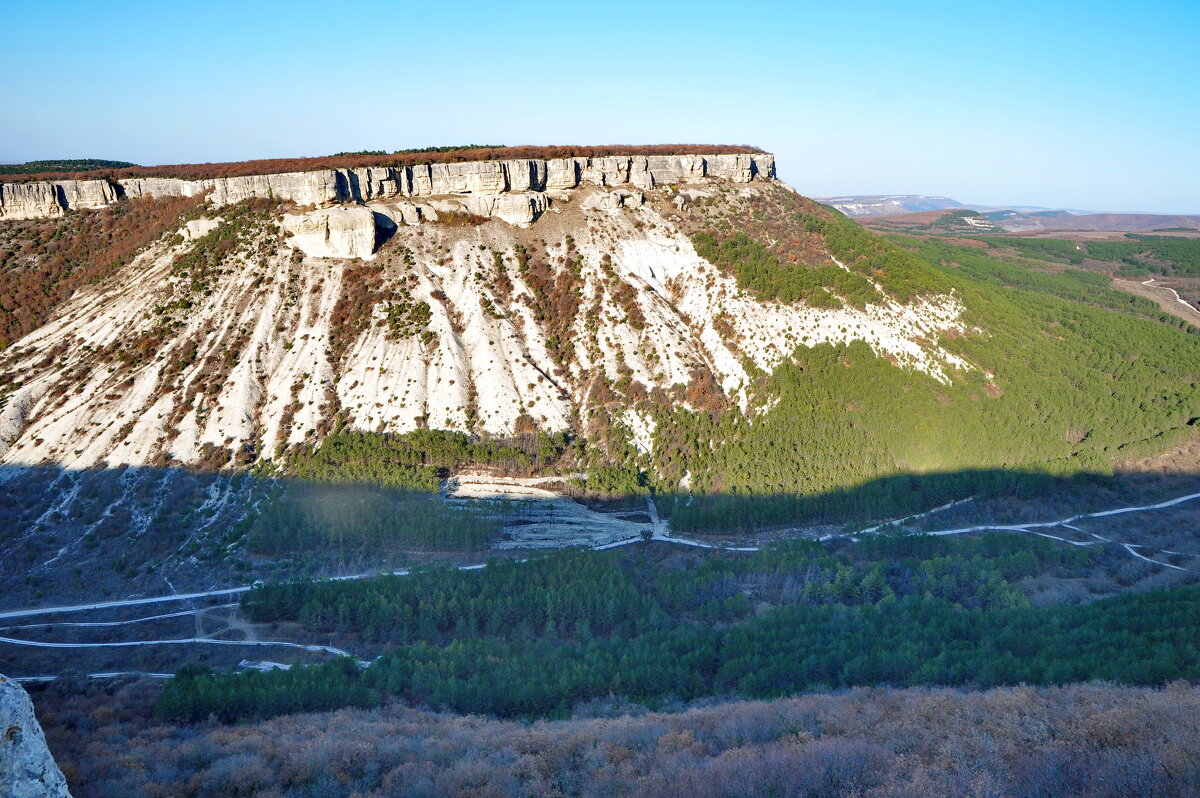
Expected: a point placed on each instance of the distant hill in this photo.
(869, 205)
(919, 213)
(76, 165)
(958, 221)
(1115, 222)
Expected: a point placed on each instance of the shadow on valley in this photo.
(70, 536)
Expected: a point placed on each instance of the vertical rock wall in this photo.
(40, 200)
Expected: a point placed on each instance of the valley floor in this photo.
(1146, 546)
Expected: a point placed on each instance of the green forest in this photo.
(1066, 377)
(1137, 255)
(416, 460)
(851, 436)
(364, 494)
(69, 165)
(575, 626)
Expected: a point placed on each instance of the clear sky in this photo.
(1092, 105)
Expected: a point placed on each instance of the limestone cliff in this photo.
(330, 186)
(27, 770)
(47, 200)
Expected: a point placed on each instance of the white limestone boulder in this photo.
(198, 228)
(135, 187)
(408, 213)
(738, 168)
(563, 173)
(525, 175)
(472, 177)
(344, 232)
(86, 194)
(607, 171)
(44, 200)
(519, 210)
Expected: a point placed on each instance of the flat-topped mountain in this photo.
(684, 320)
(256, 327)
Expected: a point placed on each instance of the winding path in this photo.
(103, 605)
(105, 675)
(144, 619)
(1151, 283)
(177, 641)
(659, 532)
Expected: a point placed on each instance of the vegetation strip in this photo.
(899, 610)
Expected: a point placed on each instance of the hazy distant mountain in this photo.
(1115, 222)
(907, 210)
(890, 204)
(887, 204)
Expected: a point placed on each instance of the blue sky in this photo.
(1086, 105)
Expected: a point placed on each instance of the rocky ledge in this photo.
(27, 770)
(325, 187)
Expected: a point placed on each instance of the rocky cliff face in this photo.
(48, 200)
(329, 186)
(458, 322)
(27, 770)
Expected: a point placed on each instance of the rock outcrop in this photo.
(196, 228)
(369, 184)
(47, 200)
(29, 201)
(303, 188)
(409, 213)
(27, 770)
(520, 210)
(347, 232)
(615, 200)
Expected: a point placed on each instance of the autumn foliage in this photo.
(44, 261)
(1096, 740)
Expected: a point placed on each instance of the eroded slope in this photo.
(234, 346)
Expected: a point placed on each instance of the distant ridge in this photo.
(887, 204)
(966, 221)
(918, 210)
